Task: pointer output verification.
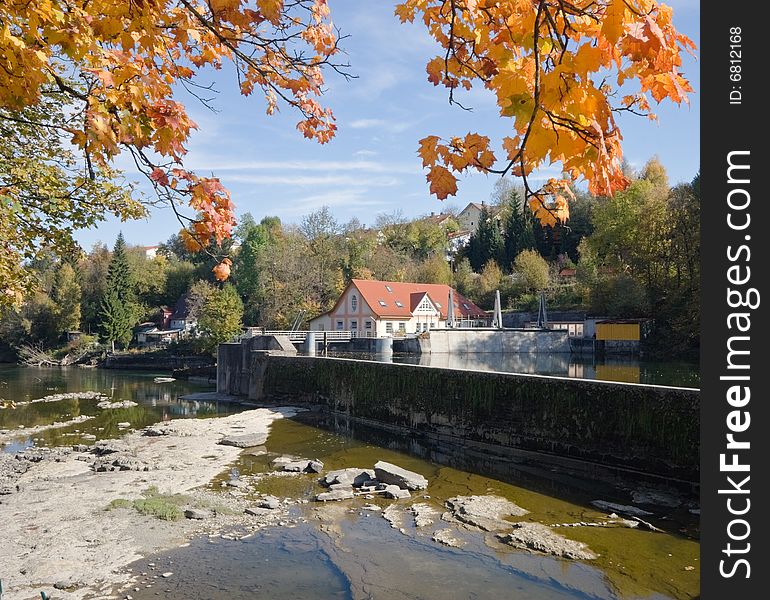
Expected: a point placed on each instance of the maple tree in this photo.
(561, 70)
(118, 67)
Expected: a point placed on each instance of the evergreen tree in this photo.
(517, 228)
(486, 243)
(119, 309)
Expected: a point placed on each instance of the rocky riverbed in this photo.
(57, 528)
(74, 519)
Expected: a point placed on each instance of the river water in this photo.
(365, 557)
(625, 369)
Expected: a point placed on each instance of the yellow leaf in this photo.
(442, 182)
(428, 151)
(271, 9)
(613, 22)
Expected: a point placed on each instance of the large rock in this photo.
(297, 466)
(244, 440)
(395, 492)
(106, 404)
(334, 495)
(270, 502)
(424, 514)
(484, 512)
(395, 475)
(446, 537)
(541, 538)
(199, 514)
(354, 477)
(302, 466)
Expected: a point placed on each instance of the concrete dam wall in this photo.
(477, 340)
(648, 429)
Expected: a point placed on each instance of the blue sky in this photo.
(371, 167)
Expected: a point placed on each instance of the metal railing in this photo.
(329, 336)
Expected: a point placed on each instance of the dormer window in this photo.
(398, 303)
(383, 303)
(354, 303)
(390, 289)
(438, 305)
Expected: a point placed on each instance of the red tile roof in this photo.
(398, 296)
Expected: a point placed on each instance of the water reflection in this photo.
(155, 402)
(623, 369)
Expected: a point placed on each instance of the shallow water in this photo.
(155, 402)
(365, 558)
(632, 563)
(280, 563)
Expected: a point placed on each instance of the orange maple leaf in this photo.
(442, 182)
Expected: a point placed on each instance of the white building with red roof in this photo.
(371, 308)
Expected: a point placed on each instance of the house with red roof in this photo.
(371, 308)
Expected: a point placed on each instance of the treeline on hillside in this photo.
(636, 255)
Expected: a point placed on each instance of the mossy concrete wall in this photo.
(651, 429)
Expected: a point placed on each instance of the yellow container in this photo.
(617, 331)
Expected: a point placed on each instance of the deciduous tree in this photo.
(531, 270)
(561, 71)
(114, 69)
(66, 298)
(220, 318)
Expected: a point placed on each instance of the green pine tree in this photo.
(486, 243)
(517, 228)
(119, 309)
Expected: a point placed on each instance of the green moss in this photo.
(158, 507)
(641, 427)
(120, 503)
(166, 507)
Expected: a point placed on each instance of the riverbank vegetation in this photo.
(636, 255)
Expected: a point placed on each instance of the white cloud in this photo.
(315, 180)
(343, 199)
(365, 153)
(367, 123)
(355, 166)
(390, 126)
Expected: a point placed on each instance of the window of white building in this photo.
(354, 303)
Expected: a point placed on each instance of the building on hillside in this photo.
(370, 308)
(440, 219)
(150, 252)
(457, 241)
(470, 215)
(181, 320)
